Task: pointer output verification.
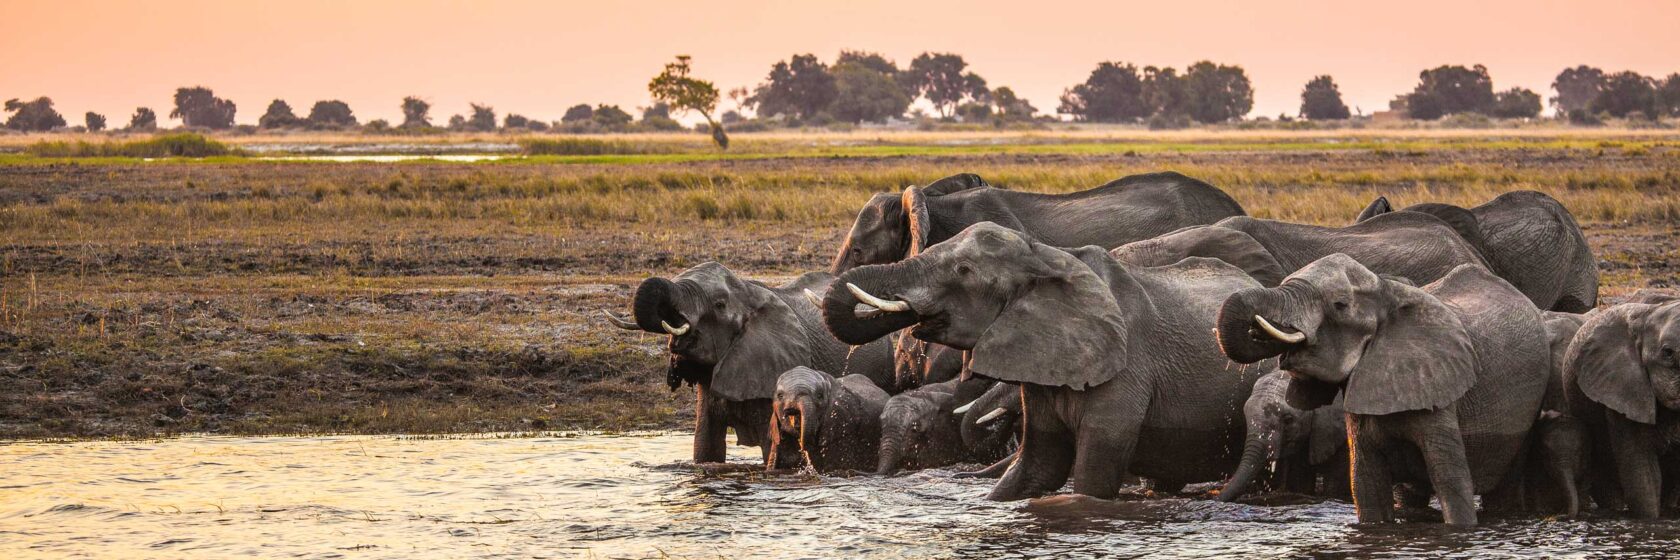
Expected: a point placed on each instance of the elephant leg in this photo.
(1337, 485)
(1637, 468)
(1373, 485)
(1449, 471)
(1045, 458)
(1105, 447)
(1671, 482)
(995, 470)
(710, 429)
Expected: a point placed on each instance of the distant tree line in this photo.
(866, 87)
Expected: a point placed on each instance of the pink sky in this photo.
(537, 58)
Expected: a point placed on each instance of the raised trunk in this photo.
(1242, 338)
(883, 281)
(1260, 448)
(654, 303)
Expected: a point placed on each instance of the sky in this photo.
(537, 58)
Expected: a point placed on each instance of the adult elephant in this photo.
(730, 338)
(1441, 384)
(1622, 378)
(894, 226)
(992, 422)
(1529, 239)
(1416, 246)
(1117, 367)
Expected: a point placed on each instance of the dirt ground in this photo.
(113, 326)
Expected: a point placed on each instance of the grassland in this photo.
(244, 295)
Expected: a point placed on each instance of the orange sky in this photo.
(537, 58)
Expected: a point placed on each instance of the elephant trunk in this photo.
(1260, 448)
(893, 442)
(1258, 323)
(854, 321)
(655, 307)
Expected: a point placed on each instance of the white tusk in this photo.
(620, 322)
(878, 303)
(964, 408)
(990, 416)
(675, 331)
(813, 298)
(1277, 334)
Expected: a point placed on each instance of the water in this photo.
(596, 496)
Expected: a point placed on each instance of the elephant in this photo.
(1298, 445)
(992, 422)
(920, 430)
(917, 364)
(1441, 384)
(730, 338)
(1622, 380)
(894, 226)
(832, 423)
(1416, 246)
(1117, 366)
(1530, 240)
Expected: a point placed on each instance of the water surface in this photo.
(630, 497)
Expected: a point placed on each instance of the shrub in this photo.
(584, 147)
(185, 144)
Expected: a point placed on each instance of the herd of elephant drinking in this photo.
(1149, 328)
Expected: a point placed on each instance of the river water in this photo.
(601, 496)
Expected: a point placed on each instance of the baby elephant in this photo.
(1295, 445)
(919, 428)
(833, 423)
(1622, 379)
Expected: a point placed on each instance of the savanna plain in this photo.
(248, 294)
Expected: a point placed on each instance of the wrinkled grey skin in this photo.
(837, 421)
(1530, 240)
(1622, 380)
(1296, 446)
(895, 226)
(1415, 246)
(920, 431)
(1556, 470)
(741, 335)
(1118, 368)
(1441, 384)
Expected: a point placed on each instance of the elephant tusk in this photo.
(620, 322)
(813, 298)
(878, 303)
(675, 331)
(961, 410)
(1265, 325)
(990, 416)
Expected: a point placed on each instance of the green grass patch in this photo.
(184, 144)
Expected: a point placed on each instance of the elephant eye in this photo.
(719, 305)
(1668, 351)
(1341, 306)
(963, 269)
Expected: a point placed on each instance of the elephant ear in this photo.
(1229, 245)
(955, 183)
(916, 221)
(1606, 365)
(1377, 207)
(1421, 358)
(773, 342)
(1064, 330)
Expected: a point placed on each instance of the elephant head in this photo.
(1626, 358)
(989, 421)
(1389, 346)
(893, 226)
(913, 423)
(1276, 429)
(733, 335)
(802, 398)
(1029, 312)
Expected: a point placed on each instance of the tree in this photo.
(1576, 88)
(144, 120)
(1011, 107)
(800, 86)
(578, 113)
(483, 118)
(611, 117)
(416, 113)
(457, 122)
(974, 111)
(657, 111)
(1451, 89)
(33, 116)
(515, 121)
(1516, 103)
(675, 87)
(1668, 96)
(95, 121)
(331, 113)
(868, 60)
(1625, 93)
(939, 78)
(1113, 93)
(1165, 92)
(1322, 100)
(278, 115)
(866, 94)
(198, 106)
(1217, 93)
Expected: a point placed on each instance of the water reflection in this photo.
(625, 496)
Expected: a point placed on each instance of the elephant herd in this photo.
(1149, 328)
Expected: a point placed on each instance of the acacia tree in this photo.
(144, 120)
(1576, 88)
(1322, 100)
(416, 113)
(676, 88)
(95, 121)
(939, 78)
(33, 116)
(1112, 93)
(198, 106)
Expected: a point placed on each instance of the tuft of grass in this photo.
(588, 147)
(185, 144)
